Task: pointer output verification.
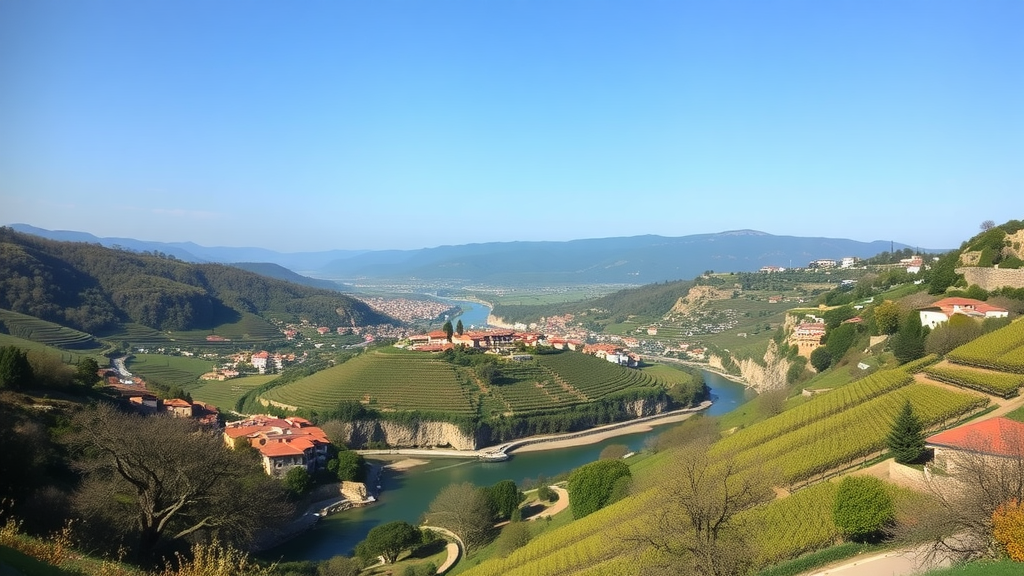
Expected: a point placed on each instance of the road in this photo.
(904, 562)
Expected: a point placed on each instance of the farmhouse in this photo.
(999, 438)
(283, 443)
(807, 336)
(941, 311)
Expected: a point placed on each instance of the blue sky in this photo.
(404, 124)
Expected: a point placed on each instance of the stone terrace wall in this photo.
(992, 278)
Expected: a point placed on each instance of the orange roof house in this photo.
(283, 443)
(940, 311)
(993, 438)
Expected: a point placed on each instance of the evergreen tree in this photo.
(459, 328)
(908, 344)
(15, 370)
(448, 330)
(906, 440)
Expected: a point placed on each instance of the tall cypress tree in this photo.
(906, 439)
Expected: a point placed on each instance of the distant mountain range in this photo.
(626, 260)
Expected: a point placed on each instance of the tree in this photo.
(448, 330)
(15, 370)
(388, 541)
(1008, 528)
(613, 452)
(906, 439)
(504, 498)
(297, 481)
(150, 481)
(459, 329)
(86, 372)
(839, 340)
(967, 486)
(863, 508)
(349, 466)
(340, 566)
(908, 344)
(821, 359)
(957, 331)
(513, 537)
(987, 225)
(462, 508)
(887, 317)
(591, 485)
(701, 494)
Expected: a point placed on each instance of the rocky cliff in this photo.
(645, 407)
(771, 375)
(408, 435)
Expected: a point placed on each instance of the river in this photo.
(406, 495)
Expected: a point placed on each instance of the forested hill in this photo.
(92, 288)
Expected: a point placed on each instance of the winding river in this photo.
(406, 495)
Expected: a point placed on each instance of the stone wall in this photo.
(992, 278)
(416, 435)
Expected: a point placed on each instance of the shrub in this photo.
(863, 508)
(591, 486)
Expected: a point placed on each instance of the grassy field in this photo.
(224, 394)
(48, 333)
(169, 370)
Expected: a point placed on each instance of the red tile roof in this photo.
(996, 436)
(951, 305)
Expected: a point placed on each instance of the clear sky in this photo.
(372, 124)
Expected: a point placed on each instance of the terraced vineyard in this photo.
(48, 333)
(168, 370)
(250, 329)
(1001, 350)
(66, 356)
(386, 381)
(988, 381)
(392, 380)
(225, 394)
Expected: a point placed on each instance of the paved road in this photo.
(895, 563)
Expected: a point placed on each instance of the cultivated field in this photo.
(225, 394)
(396, 380)
(48, 333)
(168, 370)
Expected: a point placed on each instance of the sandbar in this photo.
(645, 426)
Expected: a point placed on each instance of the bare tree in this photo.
(462, 508)
(968, 484)
(987, 225)
(701, 494)
(151, 480)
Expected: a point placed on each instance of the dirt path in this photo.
(561, 504)
(905, 562)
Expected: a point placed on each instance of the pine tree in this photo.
(459, 328)
(906, 440)
(448, 330)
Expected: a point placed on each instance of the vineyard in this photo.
(386, 381)
(250, 329)
(224, 394)
(1001, 350)
(395, 380)
(996, 383)
(48, 333)
(168, 370)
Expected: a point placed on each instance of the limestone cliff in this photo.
(645, 407)
(697, 296)
(761, 377)
(408, 435)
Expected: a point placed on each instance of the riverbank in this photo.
(596, 437)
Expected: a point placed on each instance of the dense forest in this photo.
(92, 288)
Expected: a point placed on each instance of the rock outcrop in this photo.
(761, 377)
(644, 407)
(408, 435)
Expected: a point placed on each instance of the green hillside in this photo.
(806, 445)
(98, 290)
(572, 384)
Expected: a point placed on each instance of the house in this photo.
(823, 263)
(771, 269)
(283, 443)
(178, 408)
(848, 262)
(322, 330)
(941, 311)
(259, 360)
(807, 336)
(994, 438)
